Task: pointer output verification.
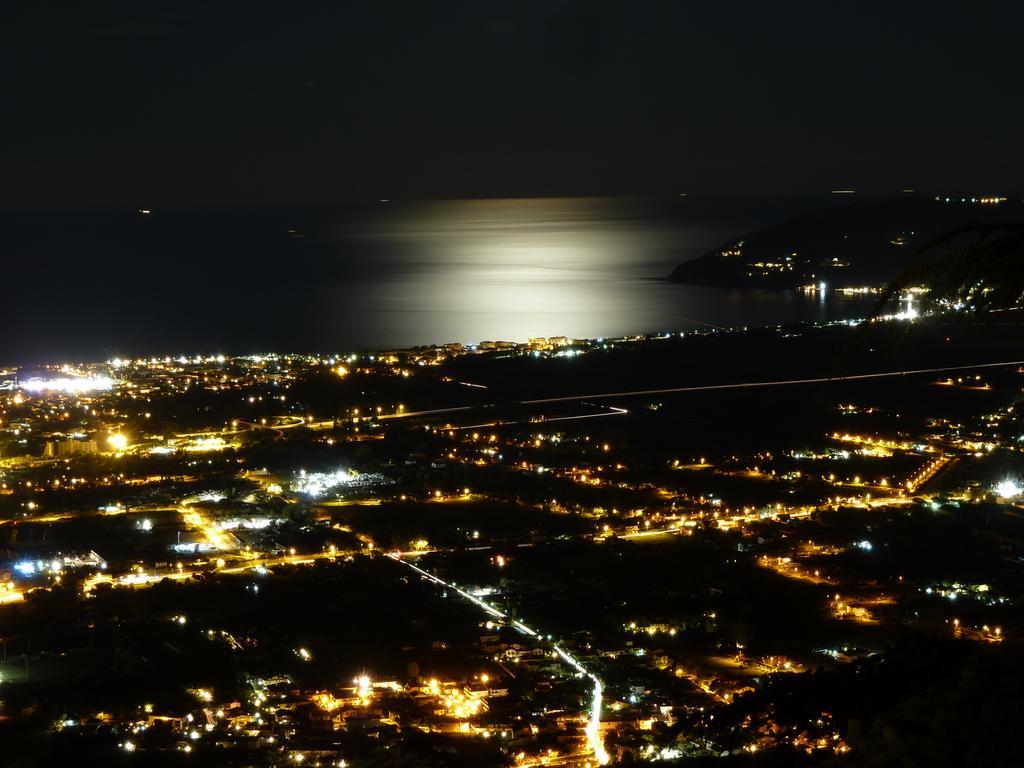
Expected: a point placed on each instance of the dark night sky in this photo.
(144, 103)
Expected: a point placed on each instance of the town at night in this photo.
(557, 384)
(560, 552)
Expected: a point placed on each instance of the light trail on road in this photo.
(612, 411)
(430, 412)
(694, 388)
(277, 428)
(775, 383)
(593, 728)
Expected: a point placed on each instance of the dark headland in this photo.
(858, 244)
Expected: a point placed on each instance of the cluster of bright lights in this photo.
(593, 727)
(458, 705)
(1008, 489)
(318, 483)
(192, 547)
(201, 444)
(910, 312)
(203, 694)
(363, 685)
(665, 753)
(364, 689)
(68, 384)
(119, 362)
(29, 568)
(248, 523)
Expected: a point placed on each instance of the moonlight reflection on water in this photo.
(512, 269)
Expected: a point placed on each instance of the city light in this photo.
(247, 525)
(1008, 489)
(593, 727)
(316, 484)
(68, 384)
(532, 469)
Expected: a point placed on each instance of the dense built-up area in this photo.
(802, 541)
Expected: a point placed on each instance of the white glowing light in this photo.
(910, 313)
(317, 483)
(68, 384)
(249, 523)
(1008, 489)
(667, 753)
(363, 685)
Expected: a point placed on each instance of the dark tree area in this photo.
(955, 713)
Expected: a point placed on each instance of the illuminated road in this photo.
(593, 728)
(215, 536)
(143, 578)
(277, 428)
(927, 472)
(79, 514)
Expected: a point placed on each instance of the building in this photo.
(65, 449)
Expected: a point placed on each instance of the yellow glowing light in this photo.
(363, 687)
(118, 442)
(327, 702)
